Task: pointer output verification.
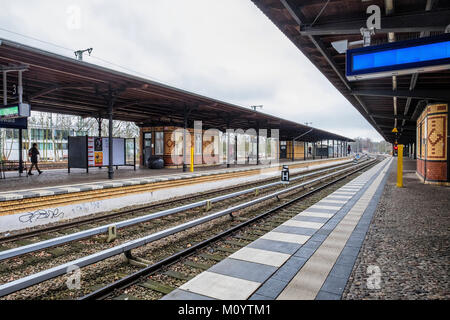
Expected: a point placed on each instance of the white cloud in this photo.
(227, 50)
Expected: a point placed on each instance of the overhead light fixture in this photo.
(343, 45)
(340, 46)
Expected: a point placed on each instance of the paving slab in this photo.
(312, 266)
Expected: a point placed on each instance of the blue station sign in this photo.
(399, 58)
(15, 123)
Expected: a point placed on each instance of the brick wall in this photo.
(432, 143)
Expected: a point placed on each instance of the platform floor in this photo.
(55, 182)
(408, 241)
(310, 256)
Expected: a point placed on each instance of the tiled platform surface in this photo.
(308, 257)
(105, 184)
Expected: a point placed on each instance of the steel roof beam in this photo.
(414, 77)
(391, 117)
(417, 22)
(51, 89)
(431, 94)
(298, 17)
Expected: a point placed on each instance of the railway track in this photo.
(66, 248)
(160, 278)
(139, 262)
(33, 204)
(72, 226)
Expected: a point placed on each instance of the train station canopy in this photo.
(59, 84)
(389, 102)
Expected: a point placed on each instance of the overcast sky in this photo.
(227, 50)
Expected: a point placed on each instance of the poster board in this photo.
(118, 152)
(89, 152)
(322, 152)
(78, 152)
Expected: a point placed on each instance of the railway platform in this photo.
(308, 257)
(56, 202)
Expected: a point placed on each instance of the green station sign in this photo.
(9, 112)
(19, 110)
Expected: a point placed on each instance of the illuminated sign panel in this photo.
(9, 112)
(20, 110)
(399, 58)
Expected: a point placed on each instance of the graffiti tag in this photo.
(41, 215)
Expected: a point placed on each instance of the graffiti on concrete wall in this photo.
(44, 214)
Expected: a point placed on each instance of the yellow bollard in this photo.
(400, 166)
(192, 159)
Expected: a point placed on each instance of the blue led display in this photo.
(403, 57)
(392, 57)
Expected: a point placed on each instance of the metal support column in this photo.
(293, 150)
(20, 152)
(321, 147)
(184, 139)
(328, 148)
(99, 121)
(228, 149)
(236, 148)
(333, 154)
(305, 145)
(110, 140)
(5, 90)
(257, 146)
(20, 91)
(314, 150)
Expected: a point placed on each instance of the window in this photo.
(198, 144)
(159, 143)
(61, 146)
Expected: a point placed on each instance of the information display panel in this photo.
(399, 58)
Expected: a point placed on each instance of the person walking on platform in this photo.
(33, 154)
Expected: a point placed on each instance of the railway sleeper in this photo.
(156, 286)
(223, 249)
(211, 257)
(177, 275)
(196, 265)
(236, 243)
(244, 237)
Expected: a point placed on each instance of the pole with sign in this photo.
(285, 175)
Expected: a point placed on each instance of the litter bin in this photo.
(155, 163)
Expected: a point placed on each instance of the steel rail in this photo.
(15, 252)
(67, 225)
(105, 292)
(44, 275)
